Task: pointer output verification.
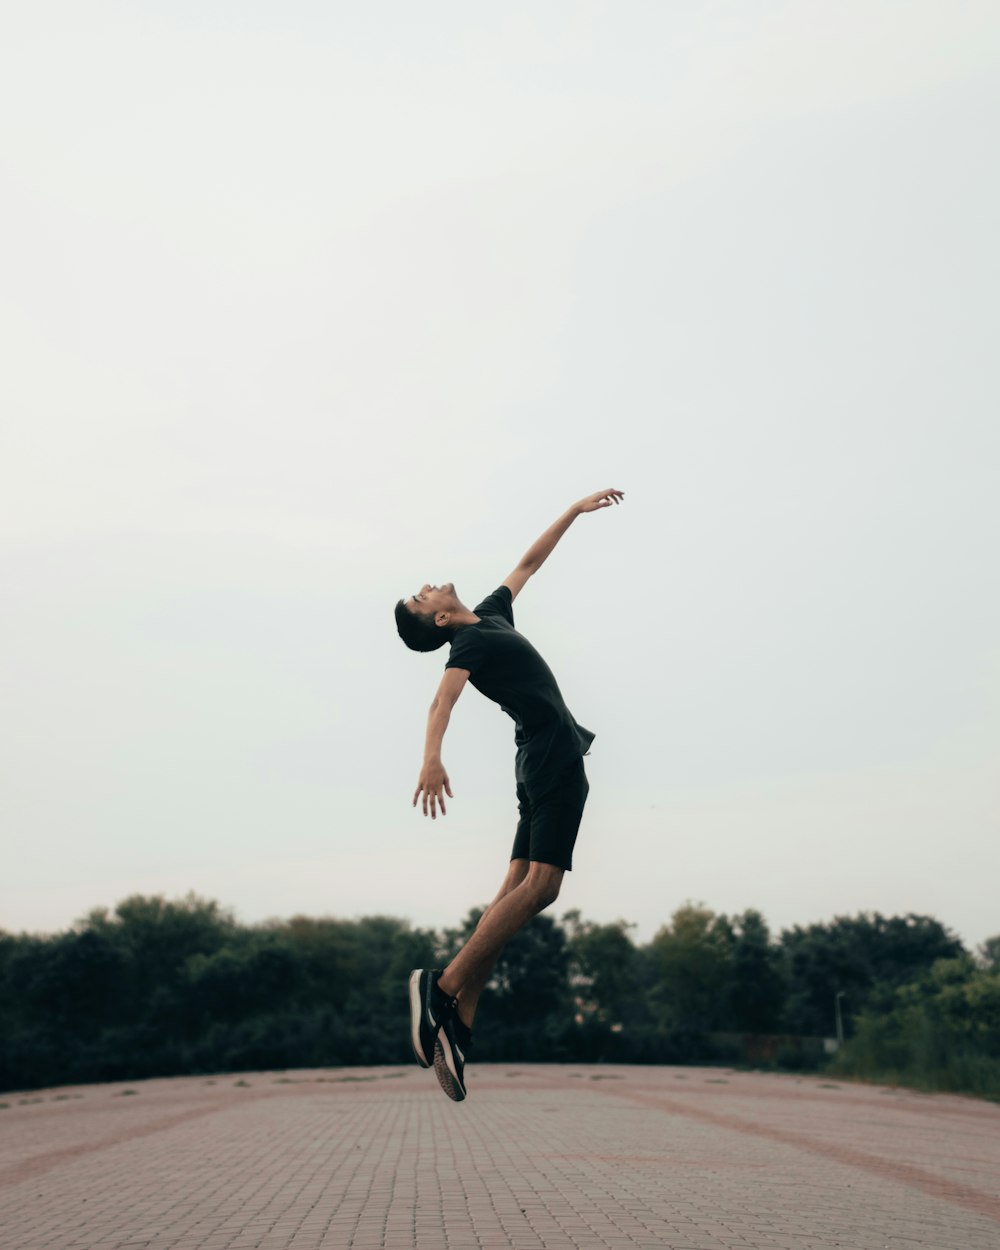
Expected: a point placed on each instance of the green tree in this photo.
(989, 953)
(354, 984)
(852, 955)
(689, 963)
(154, 938)
(605, 969)
(71, 980)
(257, 972)
(755, 990)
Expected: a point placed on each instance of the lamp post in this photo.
(840, 1021)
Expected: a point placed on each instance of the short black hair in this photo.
(418, 630)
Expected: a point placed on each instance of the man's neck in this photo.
(462, 616)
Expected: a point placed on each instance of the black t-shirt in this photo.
(504, 666)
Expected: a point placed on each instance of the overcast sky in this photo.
(302, 305)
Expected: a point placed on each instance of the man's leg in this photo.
(468, 996)
(510, 911)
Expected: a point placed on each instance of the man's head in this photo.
(426, 620)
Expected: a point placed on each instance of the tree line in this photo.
(162, 987)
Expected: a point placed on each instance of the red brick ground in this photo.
(547, 1157)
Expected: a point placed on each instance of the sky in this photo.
(303, 305)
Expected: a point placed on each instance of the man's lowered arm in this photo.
(433, 780)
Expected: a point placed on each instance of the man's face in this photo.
(430, 600)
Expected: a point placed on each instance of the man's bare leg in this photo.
(468, 996)
(509, 912)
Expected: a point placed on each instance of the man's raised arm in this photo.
(541, 549)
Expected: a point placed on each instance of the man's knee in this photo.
(546, 897)
(544, 882)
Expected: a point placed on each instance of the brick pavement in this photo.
(554, 1158)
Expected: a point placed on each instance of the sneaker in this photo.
(453, 1041)
(428, 1007)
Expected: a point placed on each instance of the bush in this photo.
(941, 1033)
(162, 988)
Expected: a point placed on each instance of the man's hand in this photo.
(435, 785)
(602, 499)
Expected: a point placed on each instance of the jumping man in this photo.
(552, 786)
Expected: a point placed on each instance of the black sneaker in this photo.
(453, 1042)
(428, 1007)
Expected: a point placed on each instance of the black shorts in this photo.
(550, 821)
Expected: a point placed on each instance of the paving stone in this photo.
(537, 1158)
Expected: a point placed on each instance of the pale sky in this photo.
(303, 305)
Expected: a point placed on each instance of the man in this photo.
(552, 786)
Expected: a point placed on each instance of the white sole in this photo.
(416, 1013)
(444, 1069)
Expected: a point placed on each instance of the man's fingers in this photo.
(433, 797)
(603, 499)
